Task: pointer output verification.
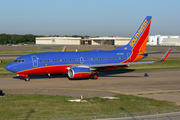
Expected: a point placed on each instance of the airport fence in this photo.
(154, 115)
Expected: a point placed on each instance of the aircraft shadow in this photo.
(113, 73)
(42, 76)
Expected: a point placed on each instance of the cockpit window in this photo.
(20, 61)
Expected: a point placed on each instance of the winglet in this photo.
(64, 49)
(165, 55)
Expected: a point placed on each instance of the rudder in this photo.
(139, 40)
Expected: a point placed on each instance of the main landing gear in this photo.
(94, 76)
(27, 79)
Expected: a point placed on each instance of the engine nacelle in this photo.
(79, 72)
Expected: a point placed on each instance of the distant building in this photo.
(110, 41)
(79, 41)
(163, 40)
(171, 42)
(58, 40)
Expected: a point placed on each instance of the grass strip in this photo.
(27, 106)
(170, 63)
(3, 71)
(34, 51)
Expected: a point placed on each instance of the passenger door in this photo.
(34, 61)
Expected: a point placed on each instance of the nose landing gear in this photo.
(27, 79)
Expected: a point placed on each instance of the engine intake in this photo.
(79, 72)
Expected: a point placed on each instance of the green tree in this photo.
(4, 38)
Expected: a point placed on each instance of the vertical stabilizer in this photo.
(139, 40)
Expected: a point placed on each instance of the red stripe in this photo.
(82, 75)
(46, 70)
(138, 45)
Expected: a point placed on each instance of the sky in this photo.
(118, 18)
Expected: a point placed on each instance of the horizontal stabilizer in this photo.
(154, 52)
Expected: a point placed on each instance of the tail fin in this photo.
(139, 39)
(64, 49)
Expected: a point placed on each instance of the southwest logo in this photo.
(138, 34)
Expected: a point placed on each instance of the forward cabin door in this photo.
(34, 61)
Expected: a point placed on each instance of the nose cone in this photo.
(10, 67)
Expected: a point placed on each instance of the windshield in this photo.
(20, 61)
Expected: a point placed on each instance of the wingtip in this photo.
(166, 55)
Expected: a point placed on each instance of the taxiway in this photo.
(160, 84)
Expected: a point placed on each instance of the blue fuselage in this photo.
(49, 59)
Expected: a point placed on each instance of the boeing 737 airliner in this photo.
(86, 64)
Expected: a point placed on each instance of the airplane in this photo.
(86, 64)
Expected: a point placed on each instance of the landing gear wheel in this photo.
(27, 79)
(95, 77)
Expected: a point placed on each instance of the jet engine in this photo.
(79, 72)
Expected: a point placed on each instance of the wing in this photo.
(131, 63)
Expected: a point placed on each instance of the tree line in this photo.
(15, 38)
(27, 38)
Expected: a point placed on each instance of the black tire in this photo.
(27, 79)
(95, 77)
